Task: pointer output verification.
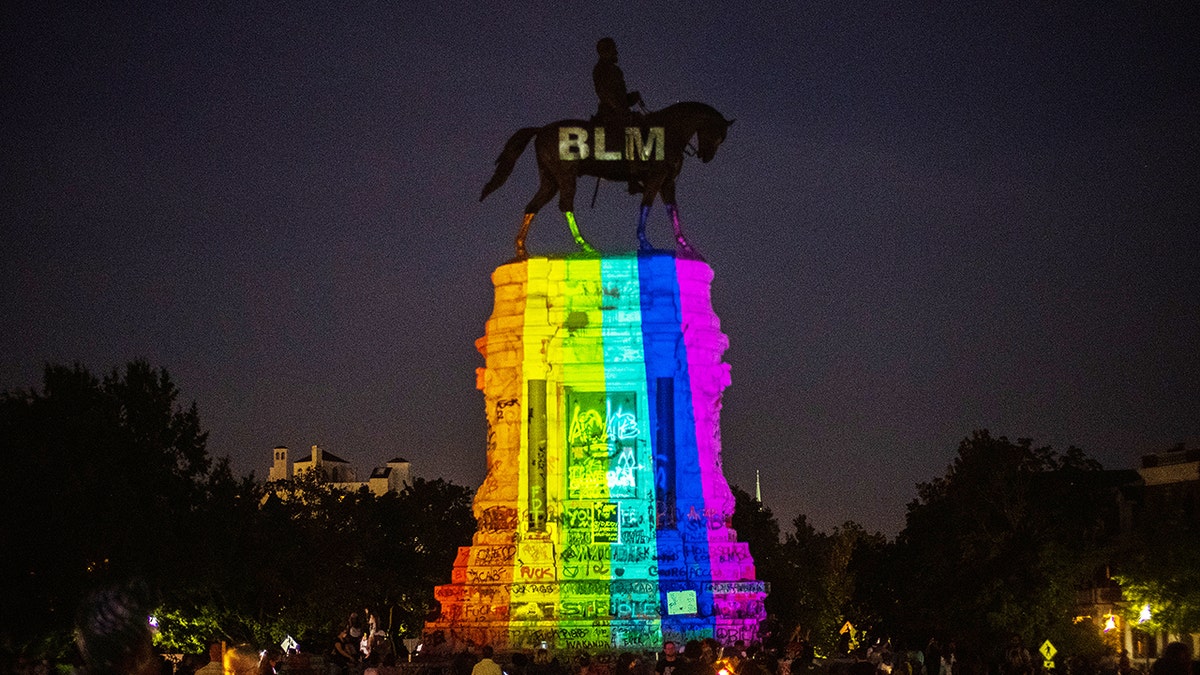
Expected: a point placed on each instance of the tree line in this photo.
(1000, 545)
(108, 482)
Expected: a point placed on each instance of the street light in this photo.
(1143, 617)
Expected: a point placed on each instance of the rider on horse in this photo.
(615, 100)
(654, 148)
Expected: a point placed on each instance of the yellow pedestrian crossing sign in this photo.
(1047, 650)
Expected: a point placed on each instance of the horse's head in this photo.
(711, 135)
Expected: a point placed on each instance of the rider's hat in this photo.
(606, 46)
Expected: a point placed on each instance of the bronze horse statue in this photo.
(563, 156)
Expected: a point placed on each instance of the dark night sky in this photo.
(928, 218)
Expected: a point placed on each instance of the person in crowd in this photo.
(272, 661)
(464, 662)
(948, 660)
(668, 660)
(113, 635)
(693, 660)
(710, 651)
(1176, 659)
(887, 662)
(381, 664)
(862, 665)
(1017, 659)
(751, 662)
(1124, 665)
(346, 651)
(486, 666)
(520, 664)
(933, 656)
(623, 665)
(190, 663)
(216, 659)
(380, 645)
(542, 664)
(241, 660)
(916, 661)
(581, 664)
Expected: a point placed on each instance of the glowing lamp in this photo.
(1110, 623)
(1144, 615)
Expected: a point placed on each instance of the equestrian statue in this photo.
(618, 144)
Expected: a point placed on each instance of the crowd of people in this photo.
(114, 638)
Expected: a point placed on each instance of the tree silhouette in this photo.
(1000, 544)
(106, 481)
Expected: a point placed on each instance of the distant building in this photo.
(1166, 482)
(392, 477)
(1173, 477)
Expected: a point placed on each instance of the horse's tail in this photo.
(508, 159)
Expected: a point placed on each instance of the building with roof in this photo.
(393, 476)
(1166, 485)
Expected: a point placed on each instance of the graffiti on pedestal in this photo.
(602, 444)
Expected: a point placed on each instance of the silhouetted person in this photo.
(1017, 659)
(241, 660)
(669, 660)
(693, 660)
(463, 662)
(609, 81)
(861, 665)
(215, 665)
(543, 664)
(486, 666)
(1176, 659)
(113, 635)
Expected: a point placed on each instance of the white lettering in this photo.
(637, 147)
(572, 143)
(600, 152)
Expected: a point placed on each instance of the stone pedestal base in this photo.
(604, 517)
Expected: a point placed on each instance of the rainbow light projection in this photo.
(604, 516)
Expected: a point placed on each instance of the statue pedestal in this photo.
(604, 517)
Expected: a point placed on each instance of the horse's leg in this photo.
(566, 202)
(651, 188)
(682, 247)
(579, 240)
(545, 192)
(522, 254)
(643, 242)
